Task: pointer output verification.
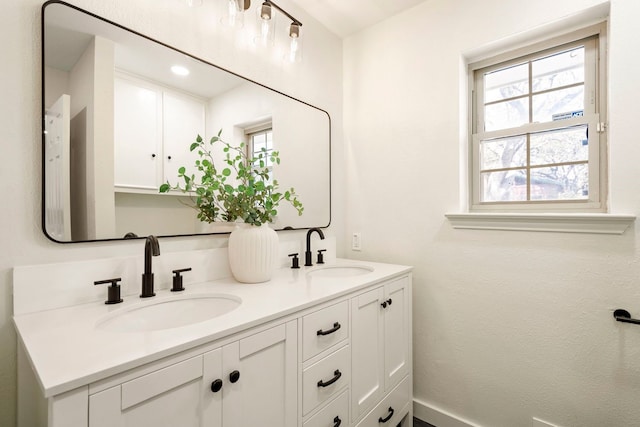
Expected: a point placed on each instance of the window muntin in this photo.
(536, 122)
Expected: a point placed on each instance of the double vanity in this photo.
(328, 345)
(323, 345)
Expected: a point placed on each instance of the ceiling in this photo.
(346, 17)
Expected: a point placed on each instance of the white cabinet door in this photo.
(380, 343)
(137, 133)
(260, 386)
(168, 397)
(213, 389)
(183, 121)
(153, 130)
(396, 332)
(367, 351)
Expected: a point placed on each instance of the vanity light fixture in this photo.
(267, 28)
(266, 24)
(265, 11)
(295, 44)
(232, 15)
(180, 70)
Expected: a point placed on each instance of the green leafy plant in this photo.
(240, 190)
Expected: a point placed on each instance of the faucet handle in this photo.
(295, 262)
(113, 291)
(177, 279)
(321, 256)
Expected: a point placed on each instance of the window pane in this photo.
(545, 105)
(505, 186)
(558, 70)
(503, 153)
(506, 83)
(259, 142)
(569, 182)
(560, 146)
(504, 115)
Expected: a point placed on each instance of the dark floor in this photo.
(419, 423)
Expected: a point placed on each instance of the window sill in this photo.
(599, 223)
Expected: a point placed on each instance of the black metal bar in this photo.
(284, 12)
(624, 316)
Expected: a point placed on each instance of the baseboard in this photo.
(438, 417)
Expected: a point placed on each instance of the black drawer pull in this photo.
(384, 304)
(336, 376)
(337, 421)
(388, 417)
(336, 326)
(234, 376)
(216, 385)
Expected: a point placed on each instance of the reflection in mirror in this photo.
(118, 122)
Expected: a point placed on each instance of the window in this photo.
(538, 140)
(260, 146)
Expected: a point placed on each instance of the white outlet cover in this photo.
(356, 241)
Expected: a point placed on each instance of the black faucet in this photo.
(151, 249)
(307, 254)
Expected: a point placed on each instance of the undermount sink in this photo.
(337, 271)
(170, 312)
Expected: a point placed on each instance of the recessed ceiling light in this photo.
(180, 70)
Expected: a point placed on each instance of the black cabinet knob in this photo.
(337, 421)
(234, 376)
(384, 304)
(216, 385)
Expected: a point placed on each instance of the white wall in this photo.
(91, 89)
(507, 325)
(22, 241)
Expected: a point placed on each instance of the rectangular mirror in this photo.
(118, 123)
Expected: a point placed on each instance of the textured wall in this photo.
(507, 325)
(194, 31)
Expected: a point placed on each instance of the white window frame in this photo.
(595, 117)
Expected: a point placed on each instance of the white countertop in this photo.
(67, 351)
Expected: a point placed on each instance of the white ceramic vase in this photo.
(253, 253)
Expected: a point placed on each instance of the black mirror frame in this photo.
(42, 123)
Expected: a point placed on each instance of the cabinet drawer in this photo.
(155, 383)
(391, 409)
(335, 414)
(324, 328)
(326, 378)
